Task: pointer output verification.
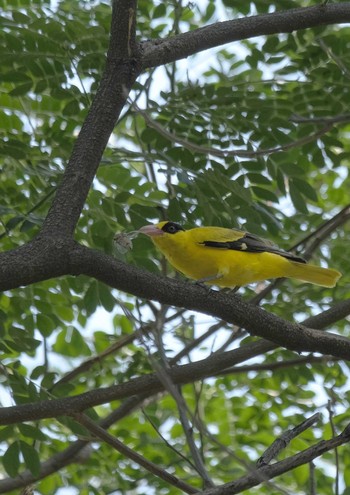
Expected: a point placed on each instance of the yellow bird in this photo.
(231, 258)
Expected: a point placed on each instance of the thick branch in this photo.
(161, 52)
(122, 43)
(230, 308)
(121, 71)
(138, 386)
(43, 258)
(76, 259)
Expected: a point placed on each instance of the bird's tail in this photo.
(326, 277)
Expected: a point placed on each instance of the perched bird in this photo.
(231, 258)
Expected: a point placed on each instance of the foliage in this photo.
(251, 135)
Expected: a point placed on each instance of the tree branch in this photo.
(122, 68)
(137, 386)
(207, 150)
(82, 260)
(336, 119)
(160, 52)
(286, 363)
(102, 434)
(283, 440)
(43, 258)
(230, 308)
(269, 472)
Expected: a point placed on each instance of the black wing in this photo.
(250, 243)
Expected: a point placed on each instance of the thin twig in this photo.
(31, 210)
(343, 68)
(248, 466)
(271, 471)
(89, 363)
(282, 442)
(168, 444)
(227, 153)
(289, 363)
(102, 434)
(312, 478)
(336, 119)
(193, 344)
(122, 341)
(336, 453)
(162, 371)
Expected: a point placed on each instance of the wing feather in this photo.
(250, 243)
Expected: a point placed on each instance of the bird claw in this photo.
(201, 284)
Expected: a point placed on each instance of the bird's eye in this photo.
(171, 228)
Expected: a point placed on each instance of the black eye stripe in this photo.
(171, 228)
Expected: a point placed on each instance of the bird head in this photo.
(160, 229)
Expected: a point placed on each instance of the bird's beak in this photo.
(151, 230)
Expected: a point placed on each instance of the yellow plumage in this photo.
(231, 258)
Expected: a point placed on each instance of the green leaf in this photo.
(69, 342)
(20, 17)
(210, 10)
(45, 324)
(91, 298)
(21, 89)
(31, 432)
(10, 460)
(64, 312)
(258, 179)
(31, 458)
(305, 189)
(106, 298)
(14, 221)
(16, 77)
(6, 433)
(265, 194)
(149, 135)
(71, 108)
(159, 11)
(297, 199)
